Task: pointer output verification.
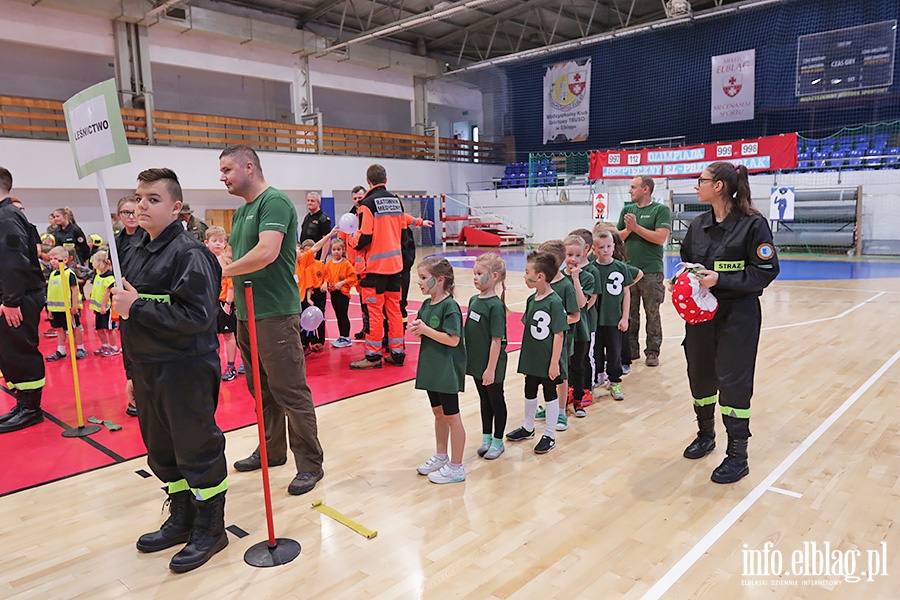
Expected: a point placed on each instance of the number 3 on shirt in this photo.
(541, 327)
(614, 285)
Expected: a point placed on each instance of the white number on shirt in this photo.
(614, 285)
(541, 328)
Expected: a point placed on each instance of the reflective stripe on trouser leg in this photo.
(207, 493)
(709, 400)
(178, 486)
(395, 321)
(375, 304)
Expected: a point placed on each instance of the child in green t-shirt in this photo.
(582, 278)
(542, 348)
(486, 350)
(441, 370)
(573, 299)
(615, 278)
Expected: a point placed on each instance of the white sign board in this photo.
(733, 86)
(781, 205)
(96, 133)
(567, 100)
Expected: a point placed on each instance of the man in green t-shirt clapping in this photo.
(645, 225)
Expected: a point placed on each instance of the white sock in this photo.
(530, 408)
(80, 346)
(61, 349)
(552, 417)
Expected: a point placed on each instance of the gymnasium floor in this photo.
(614, 511)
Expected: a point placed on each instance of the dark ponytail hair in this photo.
(737, 185)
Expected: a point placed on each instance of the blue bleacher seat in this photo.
(805, 164)
(837, 158)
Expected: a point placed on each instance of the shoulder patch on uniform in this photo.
(765, 251)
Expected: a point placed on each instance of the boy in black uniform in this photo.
(168, 303)
(22, 297)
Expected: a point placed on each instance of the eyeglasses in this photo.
(700, 180)
(126, 213)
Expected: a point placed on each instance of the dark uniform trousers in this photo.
(20, 359)
(176, 401)
(284, 390)
(721, 358)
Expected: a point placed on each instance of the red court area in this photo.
(40, 454)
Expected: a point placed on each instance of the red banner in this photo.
(763, 154)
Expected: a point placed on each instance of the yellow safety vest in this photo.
(98, 291)
(56, 291)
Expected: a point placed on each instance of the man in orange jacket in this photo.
(379, 262)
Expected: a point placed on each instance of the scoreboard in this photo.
(846, 60)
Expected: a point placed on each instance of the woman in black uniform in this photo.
(734, 244)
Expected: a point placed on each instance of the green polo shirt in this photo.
(275, 292)
(646, 256)
(441, 368)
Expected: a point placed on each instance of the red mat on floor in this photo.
(40, 454)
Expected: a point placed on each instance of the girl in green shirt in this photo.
(441, 370)
(486, 350)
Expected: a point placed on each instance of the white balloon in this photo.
(348, 223)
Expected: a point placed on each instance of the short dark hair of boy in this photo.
(243, 154)
(376, 174)
(5, 180)
(543, 262)
(358, 188)
(166, 175)
(556, 249)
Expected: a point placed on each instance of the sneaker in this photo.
(482, 450)
(587, 401)
(365, 363)
(432, 464)
(359, 335)
(304, 482)
(229, 374)
(395, 358)
(652, 360)
(342, 342)
(601, 380)
(50, 333)
(241, 370)
(540, 414)
(517, 435)
(80, 353)
(562, 423)
(131, 411)
(448, 474)
(626, 370)
(495, 452)
(544, 446)
(616, 391)
(112, 351)
(317, 347)
(100, 350)
(56, 356)
(579, 410)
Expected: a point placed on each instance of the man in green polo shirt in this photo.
(263, 241)
(644, 225)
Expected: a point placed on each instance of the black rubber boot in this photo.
(705, 442)
(177, 528)
(734, 467)
(207, 538)
(26, 413)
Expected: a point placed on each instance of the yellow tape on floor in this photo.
(340, 518)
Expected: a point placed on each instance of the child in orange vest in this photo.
(340, 277)
(310, 275)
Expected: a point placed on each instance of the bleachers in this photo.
(849, 152)
(516, 175)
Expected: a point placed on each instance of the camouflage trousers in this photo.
(652, 292)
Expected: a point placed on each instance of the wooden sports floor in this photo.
(613, 512)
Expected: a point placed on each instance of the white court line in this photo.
(832, 289)
(812, 322)
(785, 492)
(843, 314)
(719, 529)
